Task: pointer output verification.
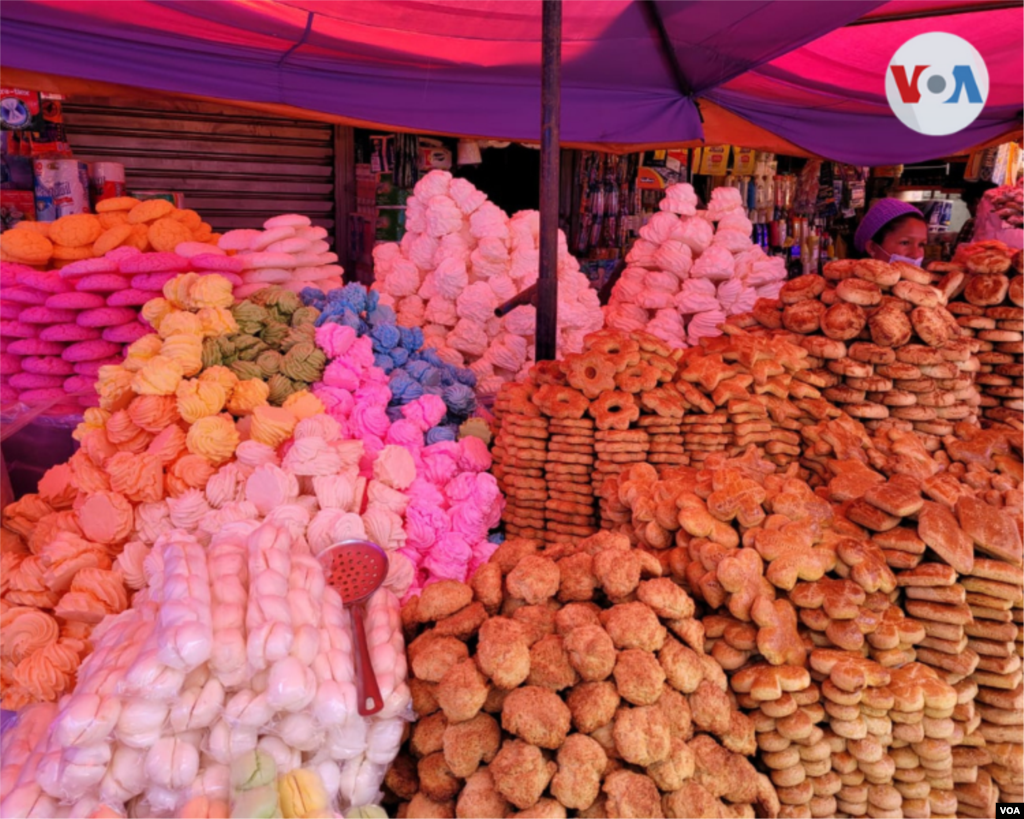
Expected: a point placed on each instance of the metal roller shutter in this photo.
(235, 167)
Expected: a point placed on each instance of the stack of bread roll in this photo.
(989, 306)
(883, 344)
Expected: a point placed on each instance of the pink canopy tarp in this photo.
(635, 72)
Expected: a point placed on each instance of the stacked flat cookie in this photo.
(60, 328)
(882, 344)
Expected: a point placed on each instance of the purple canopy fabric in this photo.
(472, 66)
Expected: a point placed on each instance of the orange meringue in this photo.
(179, 322)
(188, 472)
(139, 477)
(48, 672)
(114, 385)
(56, 487)
(27, 586)
(168, 445)
(221, 375)
(197, 399)
(88, 476)
(92, 418)
(94, 594)
(155, 310)
(140, 351)
(67, 554)
(9, 563)
(159, 376)
(98, 446)
(176, 290)
(11, 542)
(25, 513)
(186, 350)
(26, 630)
(48, 527)
(303, 404)
(129, 437)
(247, 395)
(217, 321)
(272, 425)
(153, 413)
(105, 517)
(208, 291)
(213, 437)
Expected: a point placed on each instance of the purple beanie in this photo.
(880, 214)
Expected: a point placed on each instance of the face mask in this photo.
(895, 257)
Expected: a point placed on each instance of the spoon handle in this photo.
(370, 701)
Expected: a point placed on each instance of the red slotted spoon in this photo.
(355, 569)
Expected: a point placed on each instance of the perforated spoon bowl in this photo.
(355, 569)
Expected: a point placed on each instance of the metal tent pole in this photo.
(551, 106)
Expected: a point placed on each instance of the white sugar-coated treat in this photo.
(197, 707)
(460, 258)
(126, 774)
(162, 734)
(289, 220)
(172, 763)
(190, 249)
(141, 721)
(718, 271)
(300, 731)
(239, 239)
(87, 720)
(286, 757)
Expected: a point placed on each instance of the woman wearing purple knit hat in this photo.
(892, 231)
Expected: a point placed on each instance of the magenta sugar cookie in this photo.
(127, 333)
(34, 381)
(41, 397)
(101, 283)
(18, 329)
(128, 298)
(106, 317)
(47, 365)
(152, 282)
(218, 263)
(25, 295)
(90, 350)
(92, 368)
(47, 315)
(69, 332)
(35, 346)
(86, 267)
(49, 281)
(10, 364)
(10, 310)
(75, 301)
(79, 383)
(154, 263)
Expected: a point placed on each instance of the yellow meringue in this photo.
(247, 396)
(303, 404)
(159, 376)
(187, 350)
(272, 425)
(197, 399)
(213, 437)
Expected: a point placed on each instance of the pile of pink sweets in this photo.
(57, 328)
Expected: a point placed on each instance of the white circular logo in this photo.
(936, 83)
